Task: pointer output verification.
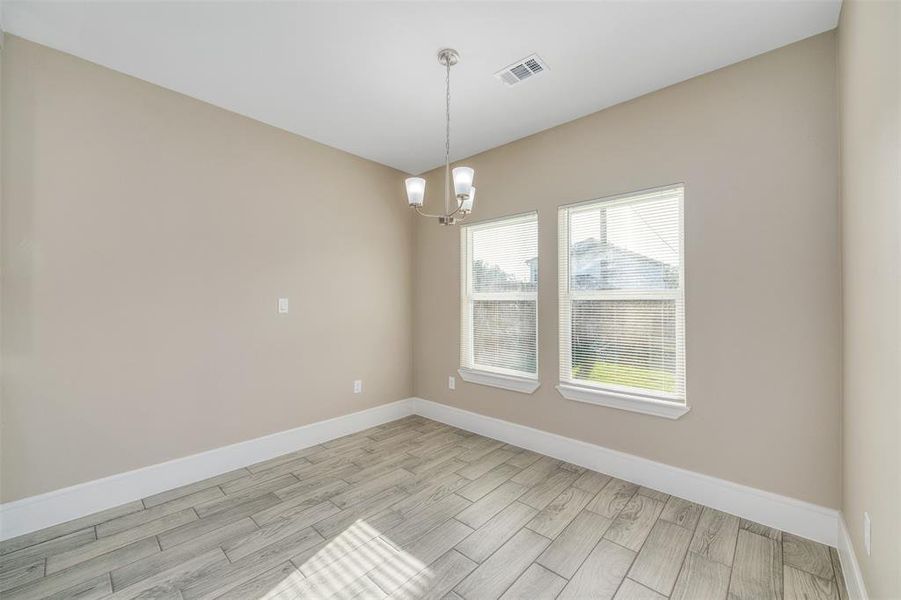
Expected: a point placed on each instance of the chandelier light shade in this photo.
(466, 204)
(415, 190)
(462, 181)
(463, 191)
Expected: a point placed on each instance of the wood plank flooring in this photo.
(416, 509)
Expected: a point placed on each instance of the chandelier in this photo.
(464, 192)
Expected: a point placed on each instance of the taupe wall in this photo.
(146, 238)
(756, 146)
(870, 99)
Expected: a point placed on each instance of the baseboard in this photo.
(857, 590)
(37, 512)
(788, 514)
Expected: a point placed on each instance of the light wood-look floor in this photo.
(415, 509)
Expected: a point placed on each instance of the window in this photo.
(499, 303)
(622, 308)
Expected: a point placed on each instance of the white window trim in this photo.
(653, 404)
(494, 377)
(622, 401)
(524, 385)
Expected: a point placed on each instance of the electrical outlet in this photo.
(358, 386)
(866, 532)
(451, 383)
(282, 306)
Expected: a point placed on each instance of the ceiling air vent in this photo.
(522, 70)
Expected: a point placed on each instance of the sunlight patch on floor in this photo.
(287, 588)
(358, 562)
(358, 534)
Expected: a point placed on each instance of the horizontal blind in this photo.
(499, 296)
(622, 309)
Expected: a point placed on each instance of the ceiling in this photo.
(362, 76)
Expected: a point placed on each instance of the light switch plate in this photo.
(282, 306)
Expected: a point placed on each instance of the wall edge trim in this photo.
(59, 506)
(795, 516)
(801, 518)
(857, 589)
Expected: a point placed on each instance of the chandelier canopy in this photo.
(464, 191)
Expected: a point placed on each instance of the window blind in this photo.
(499, 296)
(622, 309)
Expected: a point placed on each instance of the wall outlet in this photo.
(866, 532)
(451, 383)
(282, 306)
(358, 386)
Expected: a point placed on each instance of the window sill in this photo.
(646, 406)
(507, 382)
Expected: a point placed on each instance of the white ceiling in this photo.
(362, 76)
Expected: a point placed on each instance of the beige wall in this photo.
(869, 45)
(756, 146)
(146, 238)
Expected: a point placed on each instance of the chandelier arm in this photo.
(425, 214)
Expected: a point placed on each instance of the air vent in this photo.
(521, 70)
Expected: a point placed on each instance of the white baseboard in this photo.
(857, 589)
(37, 512)
(788, 514)
(801, 518)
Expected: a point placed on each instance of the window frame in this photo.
(483, 374)
(661, 404)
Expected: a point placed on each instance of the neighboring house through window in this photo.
(622, 309)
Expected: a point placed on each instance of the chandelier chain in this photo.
(447, 117)
(447, 137)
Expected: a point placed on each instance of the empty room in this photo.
(460, 300)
